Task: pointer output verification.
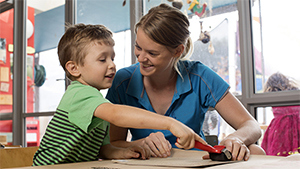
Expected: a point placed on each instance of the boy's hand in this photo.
(186, 136)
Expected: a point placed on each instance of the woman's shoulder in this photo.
(194, 66)
(126, 72)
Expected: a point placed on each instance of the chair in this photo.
(16, 156)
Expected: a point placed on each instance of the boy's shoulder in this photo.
(76, 86)
(76, 90)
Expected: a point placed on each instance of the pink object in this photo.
(282, 137)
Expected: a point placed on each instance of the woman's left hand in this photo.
(237, 148)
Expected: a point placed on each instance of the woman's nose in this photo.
(141, 56)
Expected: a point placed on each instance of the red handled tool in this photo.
(216, 153)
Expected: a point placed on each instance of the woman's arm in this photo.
(235, 114)
(247, 129)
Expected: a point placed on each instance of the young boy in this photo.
(79, 130)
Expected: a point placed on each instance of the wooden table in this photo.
(184, 157)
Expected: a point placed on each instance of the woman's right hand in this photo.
(157, 145)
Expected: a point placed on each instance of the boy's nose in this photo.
(112, 65)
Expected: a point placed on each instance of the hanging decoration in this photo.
(176, 3)
(196, 7)
(124, 2)
(205, 38)
(39, 75)
(211, 48)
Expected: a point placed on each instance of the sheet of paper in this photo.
(5, 99)
(172, 162)
(4, 74)
(292, 161)
(192, 159)
(4, 87)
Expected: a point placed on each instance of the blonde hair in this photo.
(169, 27)
(73, 44)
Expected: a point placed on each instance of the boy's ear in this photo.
(179, 50)
(72, 68)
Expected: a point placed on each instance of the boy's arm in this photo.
(132, 117)
(109, 151)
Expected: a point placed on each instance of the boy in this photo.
(79, 129)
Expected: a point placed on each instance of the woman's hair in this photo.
(167, 26)
(73, 46)
(279, 82)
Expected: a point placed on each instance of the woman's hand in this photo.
(237, 148)
(157, 145)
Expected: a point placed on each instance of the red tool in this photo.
(209, 148)
(216, 153)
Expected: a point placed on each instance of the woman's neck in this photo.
(161, 82)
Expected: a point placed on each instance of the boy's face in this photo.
(98, 69)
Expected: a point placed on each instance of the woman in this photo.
(166, 83)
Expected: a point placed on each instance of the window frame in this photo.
(249, 98)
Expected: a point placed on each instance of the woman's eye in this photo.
(152, 54)
(138, 48)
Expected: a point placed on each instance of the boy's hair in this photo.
(73, 44)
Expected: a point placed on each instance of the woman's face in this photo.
(155, 59)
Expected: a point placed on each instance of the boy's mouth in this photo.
(110, 75)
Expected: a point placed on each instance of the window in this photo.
(237, 60)
(115, 16)
(275, 40)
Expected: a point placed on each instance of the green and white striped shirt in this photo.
(74, 134)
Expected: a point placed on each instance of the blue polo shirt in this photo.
(198, 89)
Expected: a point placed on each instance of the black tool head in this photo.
(224, 156)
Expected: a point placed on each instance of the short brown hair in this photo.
(72, 45)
